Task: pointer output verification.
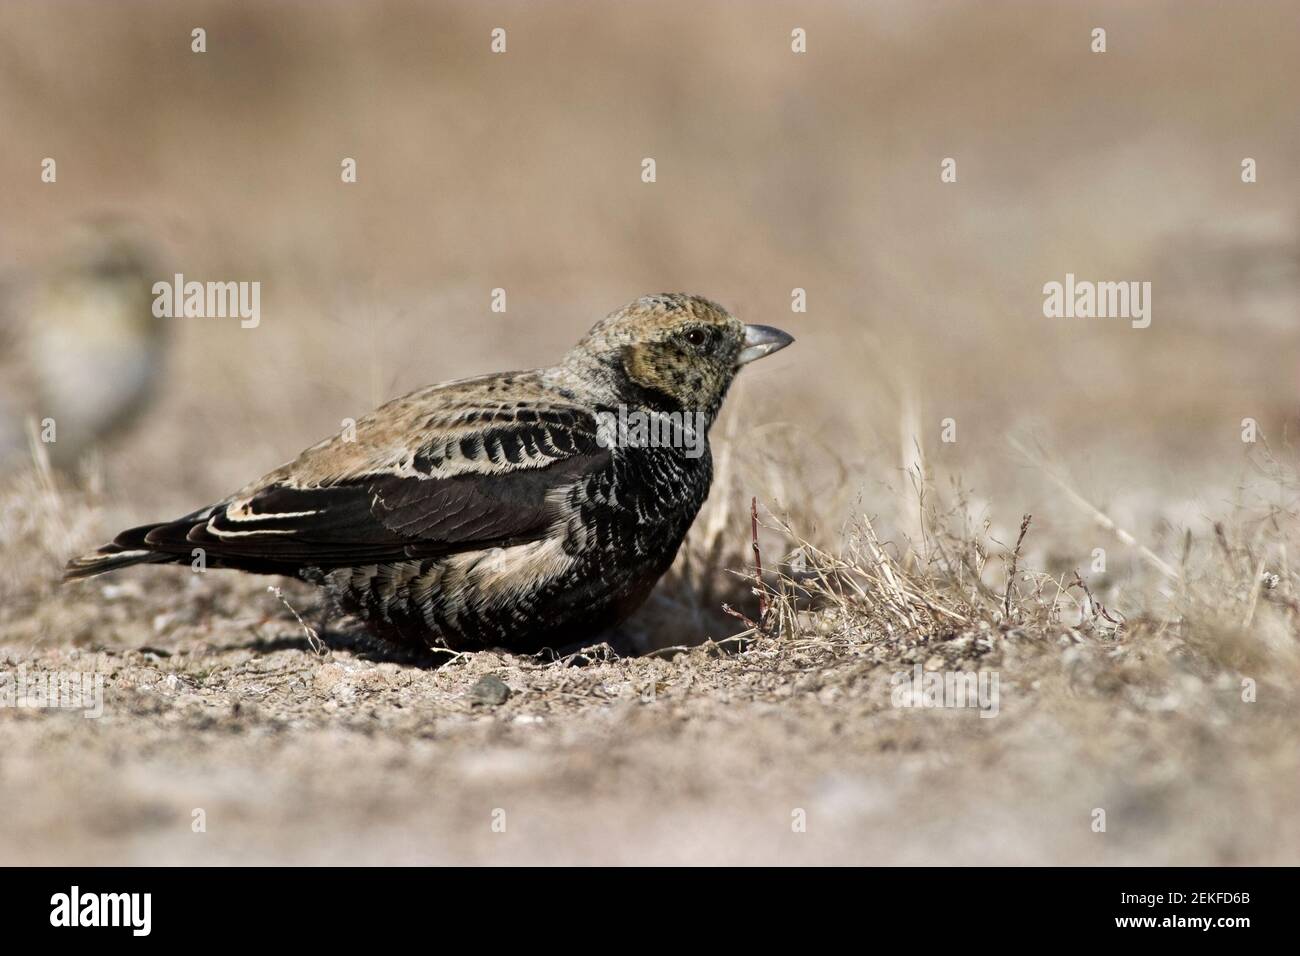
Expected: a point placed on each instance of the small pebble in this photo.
(489, 691)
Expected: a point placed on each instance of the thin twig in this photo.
(1096, 606)
(728, 609)
(687, 648)
(1255, 588)
(1015, 560)
(313, 639)
(758, 561)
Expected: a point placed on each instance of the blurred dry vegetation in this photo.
(884, 545)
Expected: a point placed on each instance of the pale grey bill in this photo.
(762, 340)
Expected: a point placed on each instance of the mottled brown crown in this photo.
(647, 317)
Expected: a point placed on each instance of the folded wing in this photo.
(502, 481)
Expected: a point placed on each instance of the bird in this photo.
(89, 347)
(519, 510)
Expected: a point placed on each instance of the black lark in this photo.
(520, 510)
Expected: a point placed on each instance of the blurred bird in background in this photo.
(82, 349)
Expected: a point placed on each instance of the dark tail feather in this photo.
(128, 548)
(110, 558)
(168, 542)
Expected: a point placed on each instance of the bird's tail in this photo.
(111, 557)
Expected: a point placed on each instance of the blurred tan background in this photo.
(775, 171)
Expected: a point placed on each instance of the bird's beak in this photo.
(762, 340)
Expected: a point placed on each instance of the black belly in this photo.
(633, 519)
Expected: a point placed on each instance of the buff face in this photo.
(684, 351)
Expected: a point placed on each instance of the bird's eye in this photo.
(696, 337)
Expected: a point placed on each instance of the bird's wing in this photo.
(481, 474)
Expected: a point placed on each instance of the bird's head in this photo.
(675, 351)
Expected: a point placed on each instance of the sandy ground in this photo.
(789, 752)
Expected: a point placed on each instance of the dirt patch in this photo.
(791, 751)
